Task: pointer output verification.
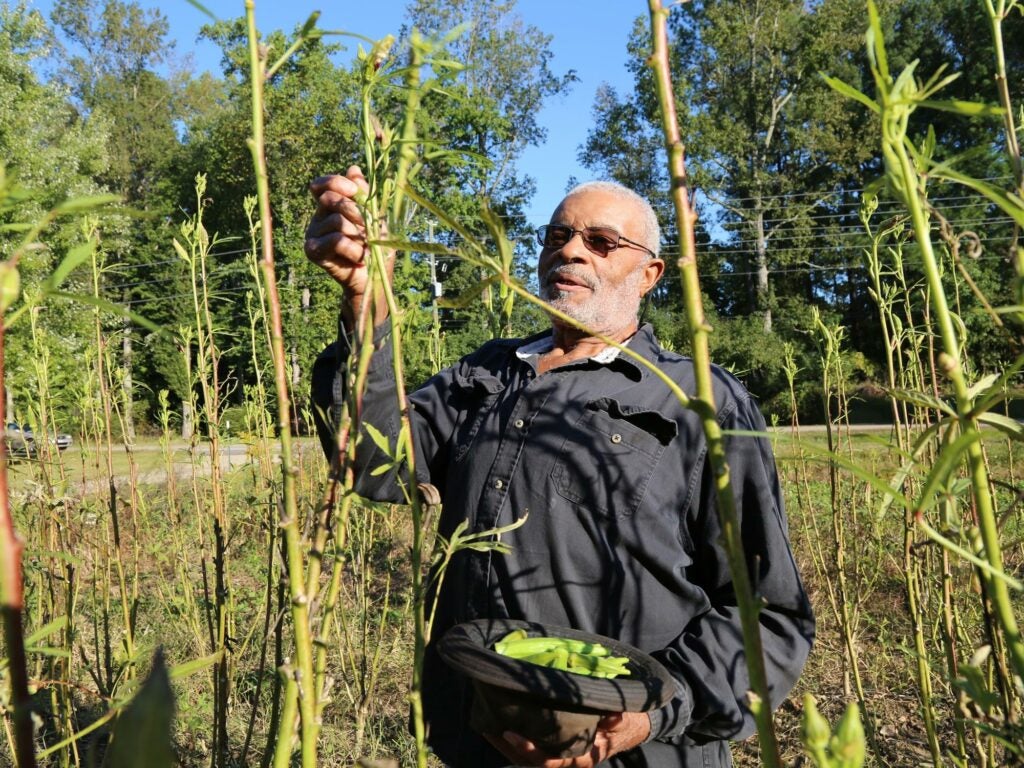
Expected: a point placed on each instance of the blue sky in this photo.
(588, 36)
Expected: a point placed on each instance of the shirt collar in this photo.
(534, 347)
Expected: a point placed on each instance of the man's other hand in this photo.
(615, 733)
(336, 235)
(336, 238)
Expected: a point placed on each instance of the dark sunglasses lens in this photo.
(601, 241)
(553, 236)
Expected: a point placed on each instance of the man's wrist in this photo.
(657, 719)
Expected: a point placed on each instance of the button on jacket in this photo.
(622, 536)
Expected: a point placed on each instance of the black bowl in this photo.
(557, 710)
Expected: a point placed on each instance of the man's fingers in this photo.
(334, 222)
(331, 202)
(521, 743)
(334, 246)
(355, 174)
(341, 185)
(349, 185)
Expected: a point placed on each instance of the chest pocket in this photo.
(473, 397)
(609, 456)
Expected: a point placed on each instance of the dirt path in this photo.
(153, 470)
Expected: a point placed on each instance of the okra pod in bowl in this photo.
(555, 706)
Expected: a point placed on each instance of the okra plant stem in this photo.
(703, 404)
(303, 683)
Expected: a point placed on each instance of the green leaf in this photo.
(45, 650)
(307, 27)
(487, 546)
(109, 306)
(851, 93)
(88, 203)
(181, 251)
(382, 442)
(46, 630)
(470, 295)
(201, 8)
(75, 258)
(981, 385)
(970, 557)
(965, 108)
(416, 246)
(144, 727)
(442, 215)
(945, 462)
(923, 399)
(1010, 203)
(1010, 427)
(402, 444)
(857, 471)
(346, 33)
(876, 41)
(450, 64)
(64, 557)
(187, 668)
(1001, 390)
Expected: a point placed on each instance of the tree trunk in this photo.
(763, 304)
(127, 387)
(187, 427)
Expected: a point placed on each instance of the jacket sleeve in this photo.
(708, 657)
(431, 420)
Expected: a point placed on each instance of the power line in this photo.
(832, 193)
(878, 214)
(212, 294)
(179, 260)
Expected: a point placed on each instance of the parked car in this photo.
(60, 439)
(20, 442)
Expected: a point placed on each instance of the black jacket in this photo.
(622, 539)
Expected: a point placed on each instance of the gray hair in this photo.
(649, 227)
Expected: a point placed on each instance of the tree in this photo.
(53, 155)
(114, 80)
(487, 116)
(492, 107)
(114, 51)
(783, 160)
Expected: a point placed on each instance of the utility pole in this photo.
(435, 287)
(436, 292)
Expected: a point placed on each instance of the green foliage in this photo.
(144, 725)
(843, 747)
(778, 160)
(53, 159)
(491, 108)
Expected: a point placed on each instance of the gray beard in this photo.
(605, 309)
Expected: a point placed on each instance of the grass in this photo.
(165, 617)
(884, 636)
(81, 468)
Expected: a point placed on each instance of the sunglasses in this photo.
(599, 240)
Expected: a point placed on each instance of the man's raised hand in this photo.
(336, 237)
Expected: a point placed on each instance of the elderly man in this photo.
(623, 534)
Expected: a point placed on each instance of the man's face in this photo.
(601, 292)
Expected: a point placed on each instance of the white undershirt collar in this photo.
(547, 343)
